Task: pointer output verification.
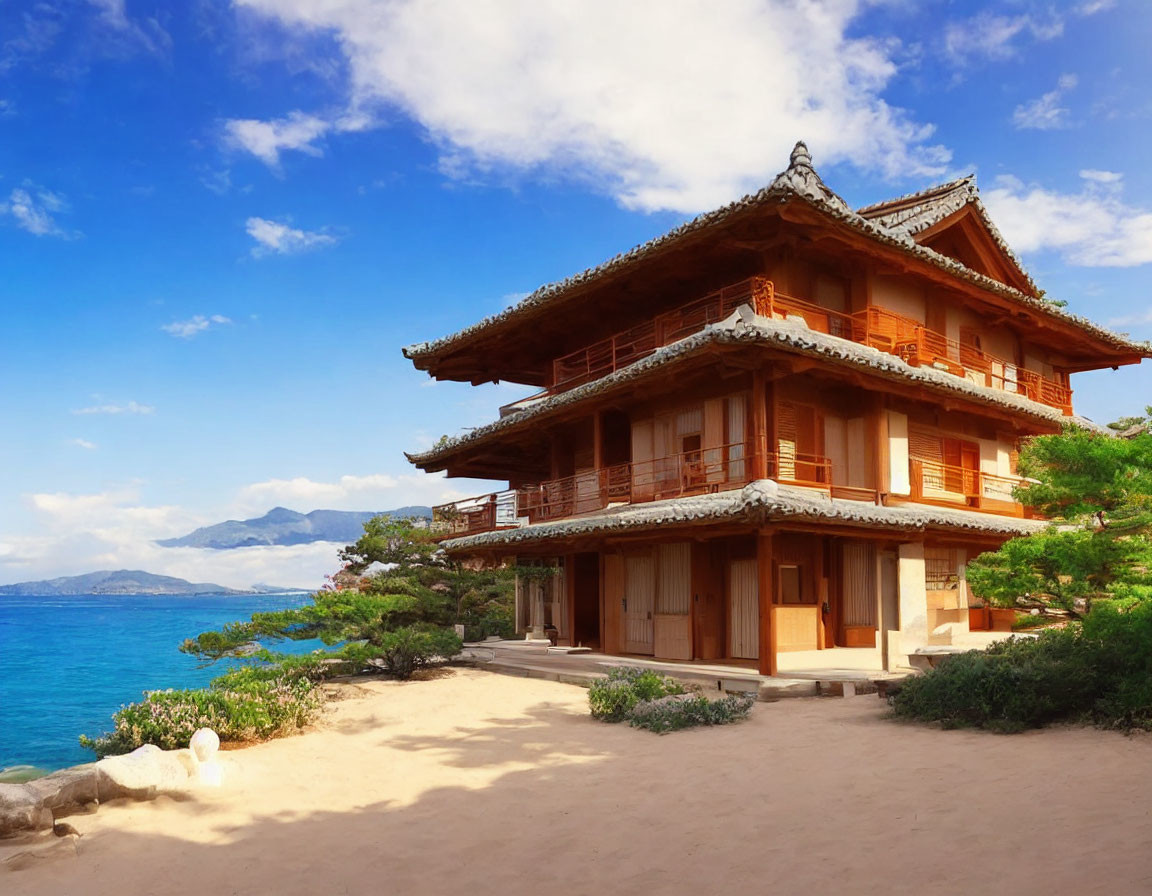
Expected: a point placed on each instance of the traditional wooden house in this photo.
(785, 425)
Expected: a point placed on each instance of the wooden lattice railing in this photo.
(875, 326)
(939, 483)
(470, 516)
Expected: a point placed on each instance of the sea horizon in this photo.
(71, 661)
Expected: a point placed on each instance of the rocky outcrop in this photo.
(143, 774)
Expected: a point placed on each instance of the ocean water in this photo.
(68, 663)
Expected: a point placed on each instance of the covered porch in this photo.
(832, 672)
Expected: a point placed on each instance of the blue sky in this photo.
(220, 221)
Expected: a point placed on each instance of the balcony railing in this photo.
(603, 357)
(875, 326)
(938, 483)
(470, 516)
(677, 475)
(705, 471)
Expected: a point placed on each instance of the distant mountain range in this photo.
(126, 581)
(281, 526)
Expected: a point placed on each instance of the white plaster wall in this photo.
(899, 479)
(913, 599)
(989, 457)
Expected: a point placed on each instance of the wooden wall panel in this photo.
(640, 603)
(673, 637)
(743, 610)
(708, 600)
(796, 627)
(613, 596)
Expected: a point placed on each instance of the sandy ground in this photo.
(481, 783)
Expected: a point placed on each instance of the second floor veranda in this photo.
(875, 326)
(710, 470)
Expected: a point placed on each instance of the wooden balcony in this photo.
(471, 516)
(938, 483)
(875, 326)
(611, 354)
(707, 471)
(691, 473)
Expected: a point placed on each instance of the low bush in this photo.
(407, 650)
(1098, 672)
(613, 698)
(257, 710)
(687, 711)
(1028, 621)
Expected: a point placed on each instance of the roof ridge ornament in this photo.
(801, 178)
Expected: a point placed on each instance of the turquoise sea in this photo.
(68, 663)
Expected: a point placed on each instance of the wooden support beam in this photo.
(759, 425)
(766, 587)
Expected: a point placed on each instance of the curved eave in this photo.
(745, 328)
(425, 355)
(758, 503)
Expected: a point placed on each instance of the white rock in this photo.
(205, 743)
(146, 771)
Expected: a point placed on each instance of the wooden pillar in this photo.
(570, 587)
(880, 430)
(598, 441)
(766, 588)
(761, 466)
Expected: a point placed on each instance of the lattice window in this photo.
(940, 569)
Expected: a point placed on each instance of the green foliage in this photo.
(1098, 492)
(1028, 621)
(1128, 422)
(673, 713)
(257, 710)
(402, 615)
(1098, 671)
(1060, 567)
(407, 650)
(612, 699)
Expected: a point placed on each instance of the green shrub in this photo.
(612, 698)
(687, 711)
(256, 711)
(1099, 671)
(405, 651)
(495, 620)
(1028, 621)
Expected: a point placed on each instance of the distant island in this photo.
(281, 526)
(126, 581)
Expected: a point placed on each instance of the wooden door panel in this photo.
(743, 609)
(639, 603)
(708, 602)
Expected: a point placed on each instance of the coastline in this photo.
(500, 784)
(74, 660)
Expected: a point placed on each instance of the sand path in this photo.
(479, 783)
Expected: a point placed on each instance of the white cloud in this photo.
(664, 105)
(1046, 113)
(146, 34)
(376, 491)
(130, 407)
(113, 530)
(198, 323)
(282, 239)
(85, 444)
(34, 209)
(997, 37)
(1101, 177)
(1092, 228)
(297, 131)
(267, 139)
